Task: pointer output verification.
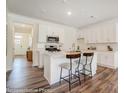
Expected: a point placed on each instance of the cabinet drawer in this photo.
(106, 59)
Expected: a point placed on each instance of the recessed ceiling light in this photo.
(91, 16)
(69, 13)
(64, 1)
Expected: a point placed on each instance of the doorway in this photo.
(23, 34)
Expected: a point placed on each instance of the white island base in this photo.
(52, 69)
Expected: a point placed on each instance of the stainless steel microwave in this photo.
(52, 39)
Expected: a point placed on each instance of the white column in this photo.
(34, 45)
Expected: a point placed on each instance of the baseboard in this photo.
(8, 69)
(113, 67)
(19, 55)
(34, 65)
(40, 66)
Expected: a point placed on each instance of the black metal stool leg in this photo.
(91, 70)
(71, 74)
(60, 76)
(84, 72)
(69, 80)
(79, 77)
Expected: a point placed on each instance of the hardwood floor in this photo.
(28, 77)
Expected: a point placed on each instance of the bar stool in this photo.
(71, 66)
(87, 60)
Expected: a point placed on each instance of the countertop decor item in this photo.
(78, 49)
(109, 48)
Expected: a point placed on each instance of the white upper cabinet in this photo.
(103, 32)
(87, 36)
(80, 34)
(98, 36)
(43, 32)
(60, 33)
(93, 36)
(100, 33)
(113, 33)
(109, 32)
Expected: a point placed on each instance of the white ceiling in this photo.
(56, 10)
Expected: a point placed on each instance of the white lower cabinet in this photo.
(107, 59)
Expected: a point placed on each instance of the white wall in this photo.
(10, 45)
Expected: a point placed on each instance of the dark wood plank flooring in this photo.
(25, 76)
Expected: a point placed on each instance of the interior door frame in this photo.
(22, 22)
(17, 32)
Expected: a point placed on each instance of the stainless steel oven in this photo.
(52, 48)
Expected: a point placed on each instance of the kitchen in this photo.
(104, 47)
(63, 39)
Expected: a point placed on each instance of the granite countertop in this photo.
(60, 54)
(63, 53)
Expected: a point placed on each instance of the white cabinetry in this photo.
(109, 32)
(99, 36)
(113, 33)
(80, 34)
(107, 59)
(91, 36)
(100, 33)
(54, 31)
(45, 31)
(88, 34)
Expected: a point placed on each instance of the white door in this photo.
(21, 43)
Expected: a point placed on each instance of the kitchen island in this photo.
(52, 62)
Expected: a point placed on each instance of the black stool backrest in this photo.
(88, 55)
(74, 56)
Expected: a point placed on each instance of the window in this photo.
(17, 41)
